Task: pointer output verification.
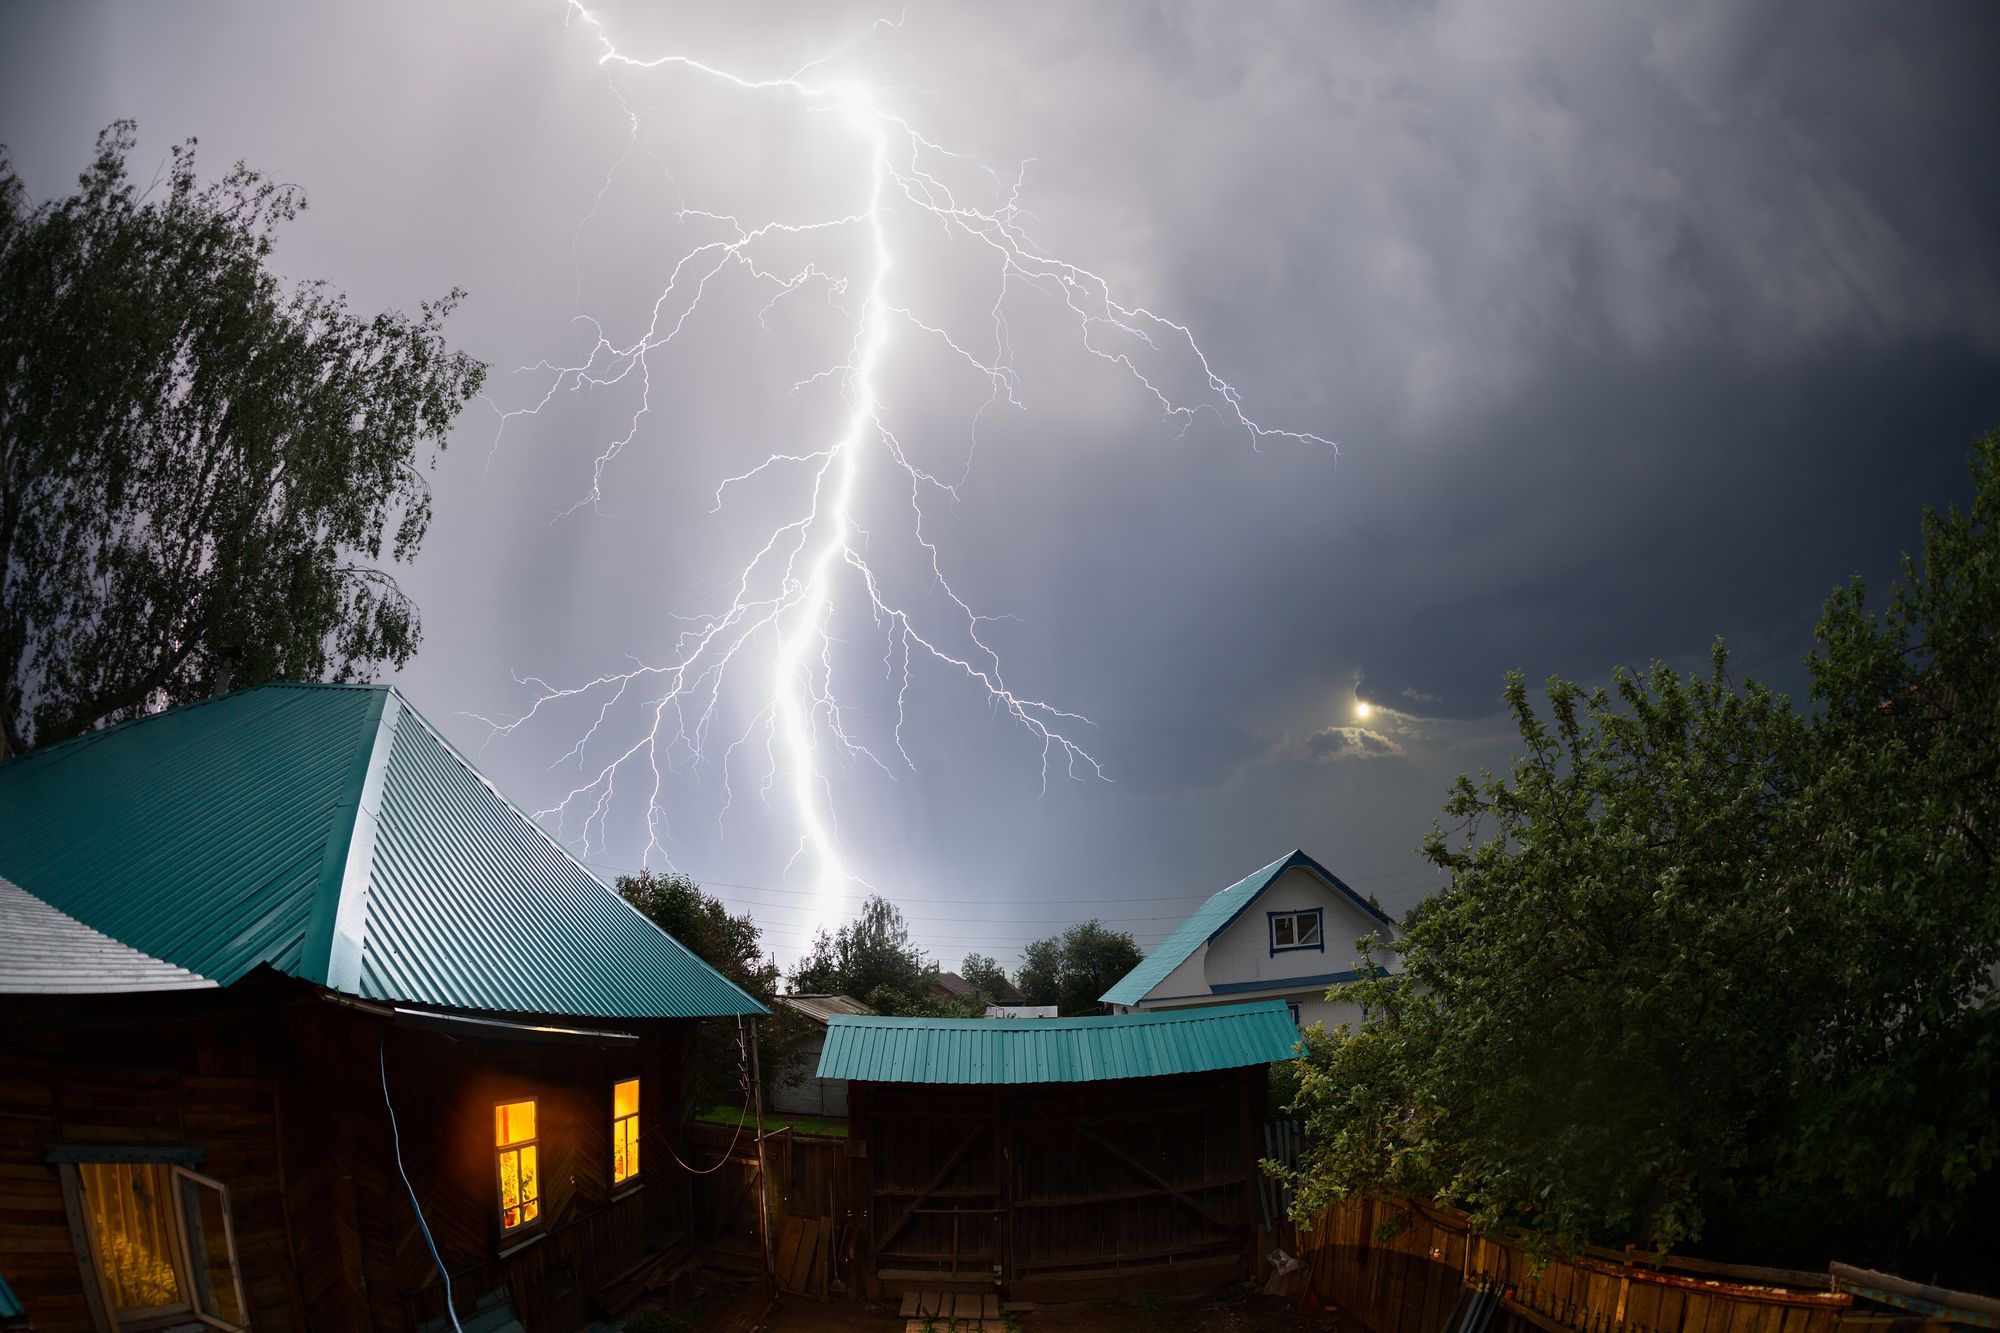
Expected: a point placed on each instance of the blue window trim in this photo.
(1271, 930)
(1293, 1005)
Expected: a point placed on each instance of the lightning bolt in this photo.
(784, 599)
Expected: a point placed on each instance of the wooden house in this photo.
(1061, 1159)
(1287, 932)
(299, 1015)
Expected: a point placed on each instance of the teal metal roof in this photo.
(1057, 1050)
(330, 833)
(1213, 917)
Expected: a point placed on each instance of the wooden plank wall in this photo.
(812, 1180)
(73, 1073)
(1074, 1191)
(1408, 1282)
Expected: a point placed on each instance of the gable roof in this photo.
(330, 833)
(1057, 1050)
(46, 952)
(1215, 916)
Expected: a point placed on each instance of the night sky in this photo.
(1624, 330)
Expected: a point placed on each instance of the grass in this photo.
(802, 1124)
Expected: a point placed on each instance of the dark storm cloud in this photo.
(1635, 327)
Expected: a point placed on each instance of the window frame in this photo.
(1296, 915)
(527, 1226)
(635, 1178)
(1297, 1018)
(90, 1258)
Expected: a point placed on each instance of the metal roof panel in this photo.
(329, 832)
(1057, 1050)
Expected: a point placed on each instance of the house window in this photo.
(160, 1243)
(1293, 1005)
(1296, 930)
(515, 1144)
(624, 1130)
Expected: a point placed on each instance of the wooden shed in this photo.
(1063, 1159)
(298, 1014)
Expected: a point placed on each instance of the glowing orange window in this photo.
(624, 1130)
(515, 1144)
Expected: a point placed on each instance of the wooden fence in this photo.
(1411, 1281)
(814, 1225)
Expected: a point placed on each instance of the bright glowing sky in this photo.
(1632, 330)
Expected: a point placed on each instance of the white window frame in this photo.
(1292, 917)
(84, 1239)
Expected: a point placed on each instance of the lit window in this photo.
(520, 1173)
(624, 1130)
(1295, 930)
(160, 1241)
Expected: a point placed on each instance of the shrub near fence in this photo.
(1411, 1282)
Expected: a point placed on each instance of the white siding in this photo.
(1243, 952)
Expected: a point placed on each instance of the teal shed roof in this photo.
(330, 833)
(1057, 1050)
(1213, 917)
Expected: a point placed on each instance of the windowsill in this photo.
(1277, 949)
(625, 1189)
(518, 1243)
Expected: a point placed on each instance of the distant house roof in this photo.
(819, 1008)
(1215, 916)
(46, 952)
(958, 987)
(1057, 1050)
(330, 833)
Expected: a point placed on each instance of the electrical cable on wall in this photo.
(396, 1136)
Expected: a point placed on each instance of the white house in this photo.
(1287, 932)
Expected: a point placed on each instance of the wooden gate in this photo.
(1063, 1191)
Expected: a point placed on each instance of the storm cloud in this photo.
(1632, 327)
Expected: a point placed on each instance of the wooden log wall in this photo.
(1408, 1281)
(280, 1093)
(79, 1072)
(444, 1089)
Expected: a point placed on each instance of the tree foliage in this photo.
(1710, 968)
(1072, 969)
(202, 469)
(872, 959)
(732, 945)
(985, 976)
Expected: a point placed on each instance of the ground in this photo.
(1236, 1310)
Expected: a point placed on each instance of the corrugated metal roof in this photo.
(330, 832)
(46, 952)
(819, 1008)
(1213, 917)
(1057, 1050)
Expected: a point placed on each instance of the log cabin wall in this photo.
(445, 1088)
(161, 1072)
(279, 1092)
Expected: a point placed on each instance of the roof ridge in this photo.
(73, 743)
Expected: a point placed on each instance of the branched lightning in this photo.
(780, 606)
